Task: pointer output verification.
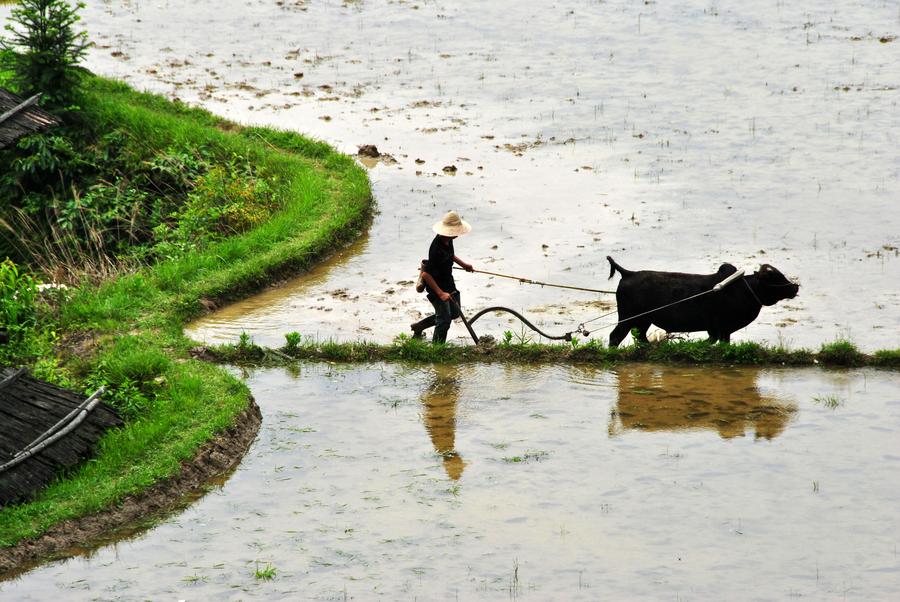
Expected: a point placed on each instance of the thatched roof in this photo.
(20, 117)
(45, 429)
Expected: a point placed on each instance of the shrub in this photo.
(18, 293)
(226, 200)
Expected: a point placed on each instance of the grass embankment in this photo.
(126, 333)
(404, 348)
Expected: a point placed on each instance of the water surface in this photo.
(554, 483)
(671, 136)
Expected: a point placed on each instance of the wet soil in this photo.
(213, 463)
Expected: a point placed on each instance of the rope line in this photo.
(653, 310)
(530, 281)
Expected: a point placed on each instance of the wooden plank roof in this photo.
(29, 408)
(20, 117)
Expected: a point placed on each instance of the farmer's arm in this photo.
(466, 266)
(442, 295)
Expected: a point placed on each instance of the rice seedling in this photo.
(266, 573)
(831, 402)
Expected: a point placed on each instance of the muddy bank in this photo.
(80, 537)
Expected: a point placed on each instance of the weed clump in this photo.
(292, 342)
(887, 358)
(841, 353)
(133, 373)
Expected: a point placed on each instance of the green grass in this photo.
(888, 358)
(173, 404)
(841, 353)
(407, 349)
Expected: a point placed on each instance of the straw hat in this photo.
(451, 225)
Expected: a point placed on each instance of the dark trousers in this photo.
(444, 313)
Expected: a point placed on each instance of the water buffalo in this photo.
(642, 297)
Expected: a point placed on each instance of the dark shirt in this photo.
(440, 265)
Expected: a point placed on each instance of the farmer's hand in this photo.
(468, 267)
(444, 296)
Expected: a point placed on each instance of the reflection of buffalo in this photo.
(653, 398)
(439, 415)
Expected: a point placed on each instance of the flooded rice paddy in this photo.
(556, 483)
(671, 136)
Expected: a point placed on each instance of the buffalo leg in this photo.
(642, 329)
(618, 334)
(621, 331)
(717, 337)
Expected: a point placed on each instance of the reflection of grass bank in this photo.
(404, 348)
(126, 332)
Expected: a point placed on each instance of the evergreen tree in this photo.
(44, 49)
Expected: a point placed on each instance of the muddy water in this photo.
(670, 136)
(565, 483)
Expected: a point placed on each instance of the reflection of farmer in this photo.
(439, 406)
(438, 276)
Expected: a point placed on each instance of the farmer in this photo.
(437, 274)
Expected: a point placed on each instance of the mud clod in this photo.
(368, 150)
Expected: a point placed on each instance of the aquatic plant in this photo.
(829, 401)
(528, 456)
